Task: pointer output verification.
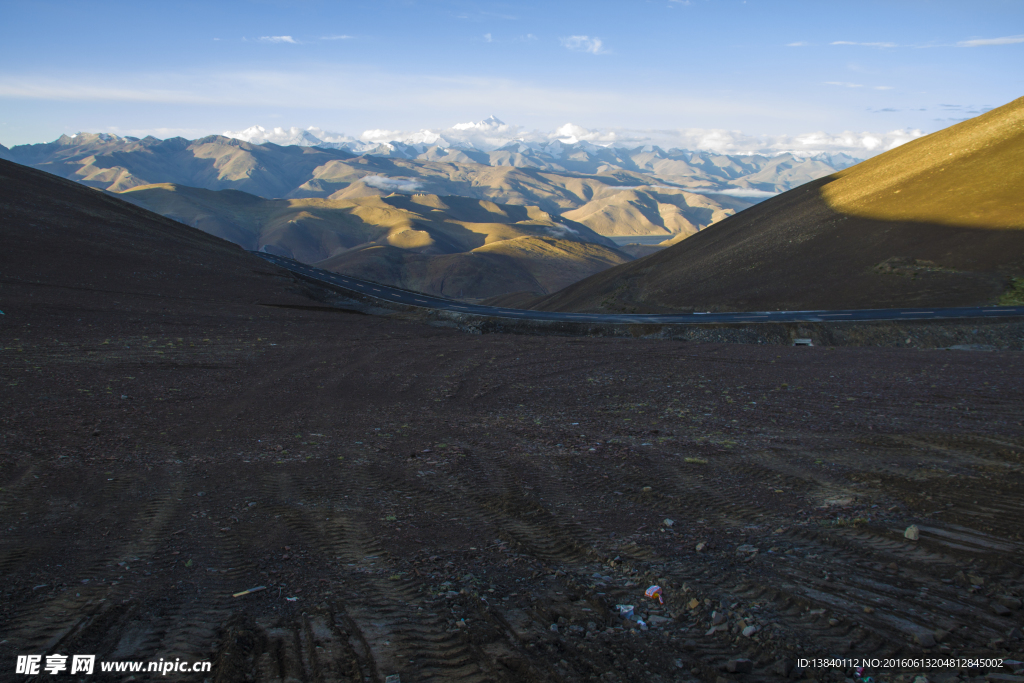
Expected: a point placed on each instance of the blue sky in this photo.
(763, 67)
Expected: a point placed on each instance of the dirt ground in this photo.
(448, 507)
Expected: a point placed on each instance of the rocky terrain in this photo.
(181, 423)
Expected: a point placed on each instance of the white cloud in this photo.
(850, 42)
(392, 184)
(278, 39)
(858, 85)
(980, 42)
(287, 136)
(341, 37)
(797, 44)
(382, 95)
(561, 231)
(488, 38)
(584, 44)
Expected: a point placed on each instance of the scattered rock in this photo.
(921, 679)
(783, 667)
(976, 580)
(912, 533)
(739, 666)
(924, 639)
(668, 522)
(393, 678)
(700, 547)
(717, 618)
(646, 489)
(655, 620)
(746, 549)
(1009, 601)
(693, 604)
(869, 610)
(1001, 610)
(554, 628)
(751, 630)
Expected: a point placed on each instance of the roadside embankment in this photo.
(970, 333)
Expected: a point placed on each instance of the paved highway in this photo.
(408, 298)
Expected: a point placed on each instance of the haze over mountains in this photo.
(936, 222)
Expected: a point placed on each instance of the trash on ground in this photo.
(655, 592)
(625, 611)
(292, 599)
(257, 589)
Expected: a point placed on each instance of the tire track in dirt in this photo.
(389, 625)
(58, 621)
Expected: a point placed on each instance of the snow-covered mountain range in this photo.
(492, 134)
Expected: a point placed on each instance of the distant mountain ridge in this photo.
(126, 161)
(450, 246)
(325, 203)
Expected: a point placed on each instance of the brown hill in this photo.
(936, 222)
(421, 242)
(215, 162)
(650, 211)
(533, 264)
(63, 240)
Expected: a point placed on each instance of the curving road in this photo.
(409, 298)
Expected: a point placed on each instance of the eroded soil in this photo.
(438, 504)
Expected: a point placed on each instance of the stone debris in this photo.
(924, 639)
(1001, 610)
(1009, 602)
(739, 666)
(912, 533)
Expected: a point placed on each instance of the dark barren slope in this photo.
(936, 222)
(64, 241)
(422, 502)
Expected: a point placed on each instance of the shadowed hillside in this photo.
(936, 222)
(60, 236)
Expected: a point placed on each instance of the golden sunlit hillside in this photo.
(451, 246)
(936, 222)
